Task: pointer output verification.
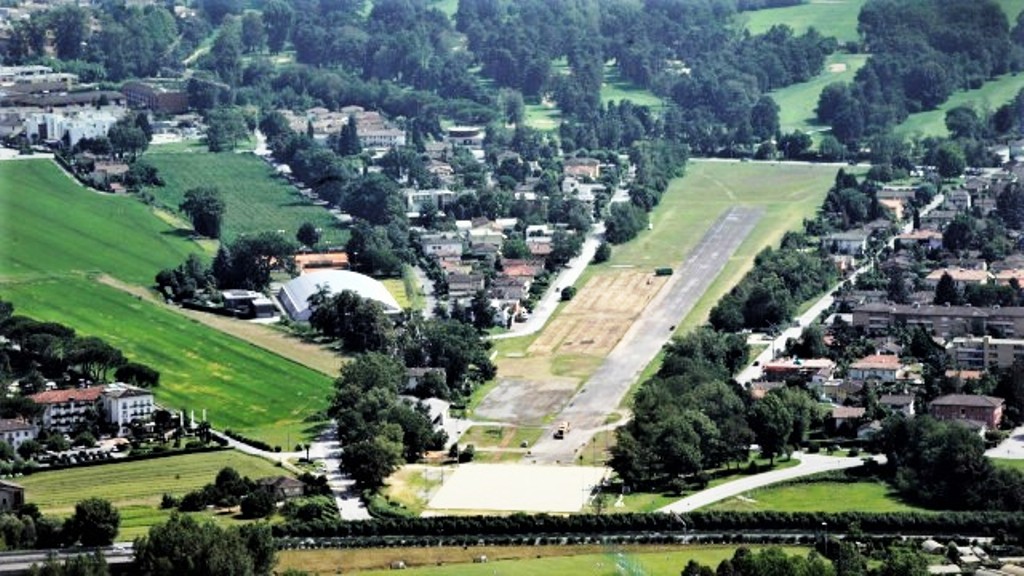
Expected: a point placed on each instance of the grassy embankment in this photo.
(57, 235)
(821, 496)
(836, 18)
(136, 488)
(990, 96)
(255, 199)
(515, 560)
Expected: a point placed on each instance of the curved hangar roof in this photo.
(294, 295)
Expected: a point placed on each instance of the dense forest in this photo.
(921, 52)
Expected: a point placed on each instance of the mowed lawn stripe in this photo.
(241, 386)
(50, 225)
(256, 200)
(137, 483)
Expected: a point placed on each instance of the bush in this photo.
(168, 501)
(568, 293)
(603, 253)
(467, 454)
(258, 504)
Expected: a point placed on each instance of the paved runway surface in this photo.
(588, 409)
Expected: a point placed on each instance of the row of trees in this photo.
(690, 418)
(769, 294)
(38, 350)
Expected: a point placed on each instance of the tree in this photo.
(603, 252)
(225, 126)
(94, 357)
(308, 235)
(205, 208)
(216, 10)
(258, 504)
(277, 19)
(137, 374)
(370, 462)
(183, 546)
(94, 523)
(348, 139)
(773, 425)
(70, 26)
(127, 139)
(949, 160)
(254, 35)
(946, 291)
(248, 261)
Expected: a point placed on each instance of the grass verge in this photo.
(824, 496)
(513, 560)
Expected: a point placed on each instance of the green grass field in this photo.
(242, 387)
(547, 116)
(50, 226)
(797, 102)
(135, 488)
(836, 18)
(788, 193)
(1012, 8)
(612, 562)
(990, 96)
(819, 497)
(256, 200)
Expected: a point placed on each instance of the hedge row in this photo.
(987, 523)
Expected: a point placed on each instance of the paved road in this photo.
(809, 464)
(545, 307)
(20, 561)
(589, 408)
(1012, 448)
(325, 449)
(753, 371)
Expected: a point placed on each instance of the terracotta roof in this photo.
(876, 361)
(960, 274)
(967, 400)
(90, 394)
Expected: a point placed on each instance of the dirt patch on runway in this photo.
(600, 314)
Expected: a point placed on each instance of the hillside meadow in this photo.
(256, 199)
(52, 226)
(241, 386)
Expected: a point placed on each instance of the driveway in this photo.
(809, 464)
(602, 393)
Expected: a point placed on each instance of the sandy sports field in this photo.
(517, 488)
(594, 321)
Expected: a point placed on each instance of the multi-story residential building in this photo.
(943, 321)
(120, 404)
(984, 352)
(124, 404)
(16, 431)
(65, 409)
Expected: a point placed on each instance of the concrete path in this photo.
(324, 449)
(809, 464)
(588, 410)
(1012, 448)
